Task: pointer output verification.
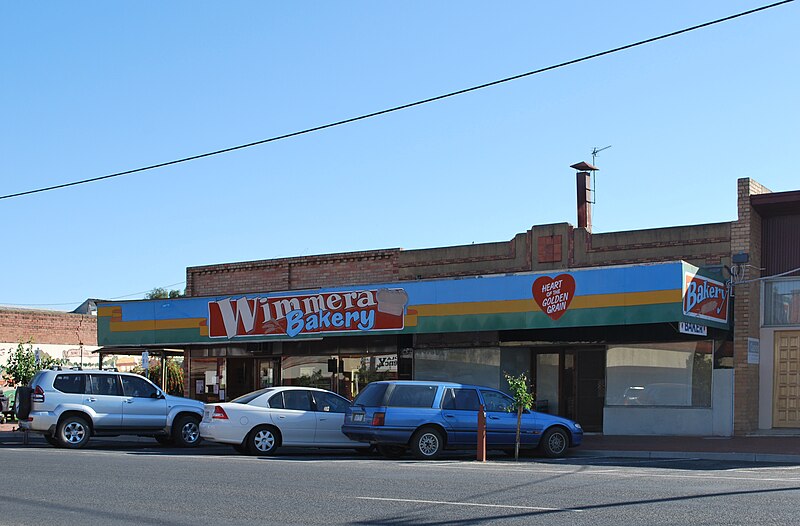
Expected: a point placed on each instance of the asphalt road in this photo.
(118, 482)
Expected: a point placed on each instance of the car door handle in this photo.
(449, 416)
(322, 419)
(91, 399)
(281, 416)
(129, 401)
(494, 418)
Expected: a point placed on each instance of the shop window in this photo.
(782, 302)
(306, 371)
(484, 366)
(660, 374)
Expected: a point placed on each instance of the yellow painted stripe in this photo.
(595, 301)
(106, 311)
(158, 325)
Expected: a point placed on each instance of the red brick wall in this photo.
(47, 327)
(349, 268)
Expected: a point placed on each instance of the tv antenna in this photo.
(595, 151)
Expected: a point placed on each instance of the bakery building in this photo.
(630, 332)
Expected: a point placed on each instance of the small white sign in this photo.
(211, 377)
(145, 360)
(693, 328)
(753, 350)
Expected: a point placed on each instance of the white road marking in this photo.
(474, 504)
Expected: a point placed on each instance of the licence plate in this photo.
(358, 417)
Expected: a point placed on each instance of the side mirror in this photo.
(158, 395)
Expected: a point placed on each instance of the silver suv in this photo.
(69, 406)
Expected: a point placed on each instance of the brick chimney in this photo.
(584, 184)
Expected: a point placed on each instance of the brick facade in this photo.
(746, 238)
(47, 327)
(542, 248)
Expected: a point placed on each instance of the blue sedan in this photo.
(428, 417)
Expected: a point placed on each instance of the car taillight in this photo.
(38, 394)
(378, 419)
(219, 414)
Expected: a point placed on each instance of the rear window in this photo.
(412, 396)
(371, 396)
(70, 383)
(249, 397)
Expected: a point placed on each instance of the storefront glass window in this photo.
(782, 302)
(205, 379)
(306, 371)
(546, 384)
(484, 366)
(660, 374)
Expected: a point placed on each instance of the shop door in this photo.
(590, 389)
(268, 372)
(240, 377)
(786, 391)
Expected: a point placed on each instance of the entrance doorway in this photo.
(786, 391)
(240, 377)
(571, 383)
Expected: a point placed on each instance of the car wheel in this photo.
(427, 443)
(263, 440)
(186, 431)
(392, 451)
(240, 448)
(165, 440)
(555, 442)
(52, 441)
(73, 432)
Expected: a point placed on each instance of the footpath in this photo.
(765, 447)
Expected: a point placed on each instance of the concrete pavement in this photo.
(765, 447)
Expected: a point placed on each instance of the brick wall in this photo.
(746, 237)
(350, 268)
(47, 327)
(542, 248)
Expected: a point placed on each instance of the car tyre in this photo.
(73, 432)
(392, 451)
(263, 440)
(555, 442)
(186, 431)
(427, 443)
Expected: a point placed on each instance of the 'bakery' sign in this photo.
(358, 310)
(705, 298)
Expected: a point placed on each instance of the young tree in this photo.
(22, 366)
(523, 399)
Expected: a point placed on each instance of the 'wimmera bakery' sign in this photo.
(357, 310)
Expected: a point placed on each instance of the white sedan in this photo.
(260, 422)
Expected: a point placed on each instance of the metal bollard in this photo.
(481, 435)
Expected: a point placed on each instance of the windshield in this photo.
(249, 397)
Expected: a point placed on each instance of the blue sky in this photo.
(93, 88)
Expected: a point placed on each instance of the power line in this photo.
(402, 107)
(81, 301)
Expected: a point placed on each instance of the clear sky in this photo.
(92, 88)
